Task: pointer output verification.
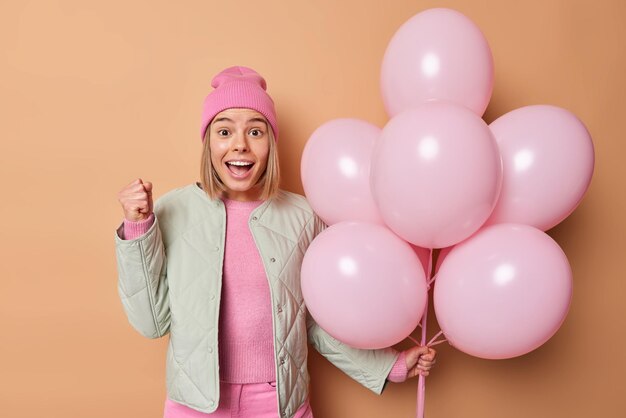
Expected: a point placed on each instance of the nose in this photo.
(240, 142)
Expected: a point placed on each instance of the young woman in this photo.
(216, 264)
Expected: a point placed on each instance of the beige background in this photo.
(95, 94)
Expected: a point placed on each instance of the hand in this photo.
(419, 360)
(136, 200)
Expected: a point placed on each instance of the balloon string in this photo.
(430, 282)
(434, 338)
(437, 342)
(414, 340)
(430, 343)
(421, 384)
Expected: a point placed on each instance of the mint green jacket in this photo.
(169, 282)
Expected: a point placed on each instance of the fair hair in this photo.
(213, 185)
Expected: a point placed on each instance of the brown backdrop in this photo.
(95, 94)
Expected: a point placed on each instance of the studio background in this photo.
(96, 94)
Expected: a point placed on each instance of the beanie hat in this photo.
(240, 87)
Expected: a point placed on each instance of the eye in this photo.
(256, 132)
(222, 132)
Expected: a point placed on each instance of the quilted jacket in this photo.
(169, 282)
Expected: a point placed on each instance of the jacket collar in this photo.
(258, 211)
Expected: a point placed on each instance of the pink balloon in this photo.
(503, 292)
(335, 171)
(438, 54)
(548, 162)
(436, 174)
(363, 285)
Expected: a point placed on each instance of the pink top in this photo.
(246, 343)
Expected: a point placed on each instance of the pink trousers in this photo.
(251, 400)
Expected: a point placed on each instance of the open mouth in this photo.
(239, 168)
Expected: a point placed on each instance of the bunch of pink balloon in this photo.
(437, 176)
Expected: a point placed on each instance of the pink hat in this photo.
(238, 87)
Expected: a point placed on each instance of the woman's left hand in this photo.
(419, 360)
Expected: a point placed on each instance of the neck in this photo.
(250, 195)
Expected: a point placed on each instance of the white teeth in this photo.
(239, 163)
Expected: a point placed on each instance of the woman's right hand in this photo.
(136, 200)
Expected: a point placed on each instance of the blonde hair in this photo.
(213, 185)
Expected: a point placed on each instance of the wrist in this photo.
(134, 229)
(399, 371)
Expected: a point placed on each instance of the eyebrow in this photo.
(249, 120)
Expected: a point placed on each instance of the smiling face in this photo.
(239, 145)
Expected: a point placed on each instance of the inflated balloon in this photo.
(335, 171)
(503, 292)
(438, 54)
(548, 162)
(363, 284)
(436, 174)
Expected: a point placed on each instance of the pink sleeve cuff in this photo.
(133, 230)
(399, 371)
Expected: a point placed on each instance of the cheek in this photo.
(217, 153)
(265, 157)
(262, 153)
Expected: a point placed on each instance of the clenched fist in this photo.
(419, 360)
(136, 200)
